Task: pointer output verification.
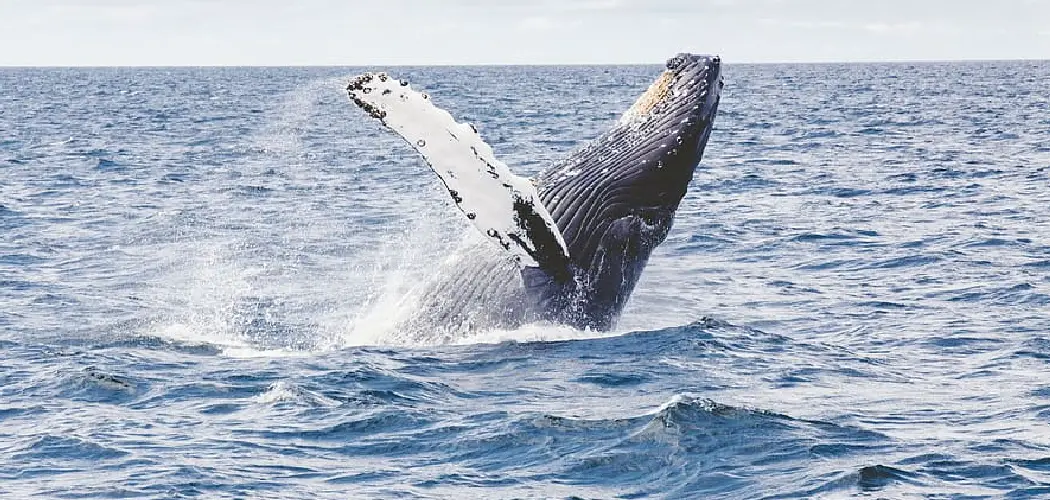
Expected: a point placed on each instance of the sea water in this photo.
(203, 271)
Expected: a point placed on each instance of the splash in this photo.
(297, 274)
(198, 295)
(534, 332)
(248, 291)
(310, 266)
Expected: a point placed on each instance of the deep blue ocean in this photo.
(202, 271)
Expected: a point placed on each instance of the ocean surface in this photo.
(202, 272)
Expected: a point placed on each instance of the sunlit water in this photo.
(202, 273)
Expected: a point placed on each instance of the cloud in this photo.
(542, 7)
(114, 12)
(803, 24)
(894, 28)
(537, 23)
(593, 5)
(878, 28)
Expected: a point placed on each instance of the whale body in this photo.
(568, 246)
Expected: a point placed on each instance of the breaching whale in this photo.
(568, 246)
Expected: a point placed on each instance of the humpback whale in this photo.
(568, 246)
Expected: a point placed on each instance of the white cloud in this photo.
(537, 23)
(112, 13)
(894, 28)
(804, 24)
(546, 23)
(594, 5)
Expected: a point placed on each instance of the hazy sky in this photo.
(389, 32)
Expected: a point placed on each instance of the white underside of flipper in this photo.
(503, 206)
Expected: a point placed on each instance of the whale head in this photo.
(660, 139)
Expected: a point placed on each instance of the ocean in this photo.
(203, 270)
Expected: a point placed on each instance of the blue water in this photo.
(202, 272)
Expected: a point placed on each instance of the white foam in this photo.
(536, 332)
(197, 294)
(287, 392)
(209, 289)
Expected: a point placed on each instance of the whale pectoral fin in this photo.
(504, 207)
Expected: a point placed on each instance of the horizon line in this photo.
(530, 64)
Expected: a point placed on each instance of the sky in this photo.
(420, 32)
